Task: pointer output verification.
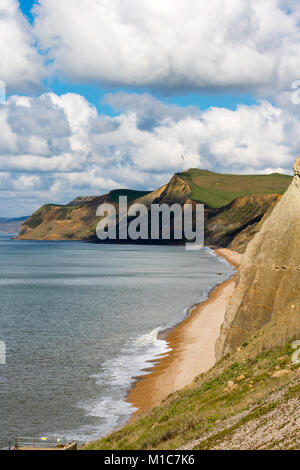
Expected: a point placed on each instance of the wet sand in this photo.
(192, 343)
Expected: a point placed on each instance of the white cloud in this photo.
(53, 148)
(21, 66)
(27, 182)
(241, 44)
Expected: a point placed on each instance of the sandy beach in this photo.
(192, 345)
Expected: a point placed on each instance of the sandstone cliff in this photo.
(235, 205)
(267, 292)
(74, 221)
(177, 191)
(235, 224)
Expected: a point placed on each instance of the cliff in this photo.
(267, 292)
(235, 205)
(249, 399)
(176, 191)
(74, 221)
(235, 224)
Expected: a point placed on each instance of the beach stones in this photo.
(230, 386)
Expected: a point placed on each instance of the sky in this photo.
(106, 94)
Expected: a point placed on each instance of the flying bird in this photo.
(182, 157)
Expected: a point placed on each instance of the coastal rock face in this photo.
(82, 200)
(177, 191)
(234, 225)
(234, 207)
(267, 291)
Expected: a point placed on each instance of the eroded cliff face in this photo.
(267, 291)
(234, 225)
(177, 191)
(230, 224)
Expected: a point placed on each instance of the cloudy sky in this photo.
(105, 94)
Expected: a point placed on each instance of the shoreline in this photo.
(194, 337)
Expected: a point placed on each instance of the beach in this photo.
(110, 342)
(192, 345)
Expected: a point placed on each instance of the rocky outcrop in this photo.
(177, 191)
(234, 207)
(54, 222)
(241, 239)
(77, 220)
(235, 224)
(151, 197)
(74, 221)
(82, 200)
(267, 292)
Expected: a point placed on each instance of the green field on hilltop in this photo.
(216, 190)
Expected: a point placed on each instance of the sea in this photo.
(80, 322)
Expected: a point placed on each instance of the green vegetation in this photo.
(216, 190)
(215, 439)
(131, 194)
(189, 414)
(65, 212)
(37, 218)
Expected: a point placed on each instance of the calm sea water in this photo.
(80, 321)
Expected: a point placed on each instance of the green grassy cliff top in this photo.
(216, 190)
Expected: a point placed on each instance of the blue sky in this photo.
(95, 93)
(26, 6)
(105, 95)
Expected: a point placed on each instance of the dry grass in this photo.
(205, 406)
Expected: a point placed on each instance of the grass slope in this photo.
(206, 413)
(77, 221)
(216, 190)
